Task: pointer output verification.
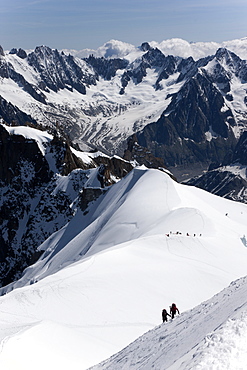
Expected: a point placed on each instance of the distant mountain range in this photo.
(183, 102)
(176, 47)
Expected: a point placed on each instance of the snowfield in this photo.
(212, 336)
(104, 278)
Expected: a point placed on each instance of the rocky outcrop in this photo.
(1, 51)
(141, 155)
(89, 195)
(20, 53)
(229, 178)
(59, 71)
(153, 59)
(180, 135)
(114, 168)
(16, 152)
(240, 152)
(32, 203)
(13, 115)
(106, 68)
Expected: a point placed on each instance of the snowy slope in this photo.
(212, 336)
(105, 276)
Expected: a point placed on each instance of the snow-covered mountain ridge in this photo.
(105, 276)
(42, 182)
(108, 260)
(181, 109)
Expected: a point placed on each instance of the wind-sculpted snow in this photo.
(145, 203)
(105, 276)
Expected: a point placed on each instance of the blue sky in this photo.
(79, 24)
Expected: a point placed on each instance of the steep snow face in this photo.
(211, 336)
(106, 275)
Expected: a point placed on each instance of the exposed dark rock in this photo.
(13, 51)
(106, 68)
(59, 71)
(155, 59)
(220, 180)
(17, 152)
(179, 136)
(145, 46)
(240, 152)
(141, 155)
(21, 53)
(223, 183)
(1, 51)
(13, 115)
(115, 167)
(89, 195)
(66, 161)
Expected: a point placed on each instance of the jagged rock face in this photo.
(89, 195)
(153, 59)
(197, 108)
(222, 183)
(1, 51)
(236, 66)
(34, 202)
(135, 152)
(20, 52)
(224, 179)
(180, 136)
(13, 115)
(114, 168)
(24, 179)
(30, 208)
(66, 161)
(60, 72)
(240, 152)
(199, 97)
(21, 162)
(106, 68)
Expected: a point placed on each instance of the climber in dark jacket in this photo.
(173, 310)
(164, 315)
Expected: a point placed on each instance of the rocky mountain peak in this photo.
(230, 61)
(59, 71)
(145, 46)
(20, 53)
